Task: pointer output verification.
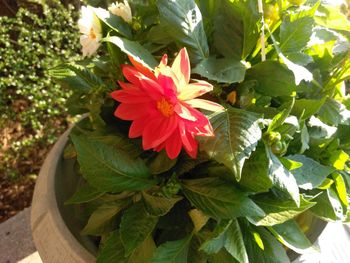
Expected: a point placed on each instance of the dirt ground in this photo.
(16, 191)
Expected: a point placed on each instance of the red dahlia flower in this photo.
(161, 105)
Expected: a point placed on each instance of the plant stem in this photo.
(262, 37)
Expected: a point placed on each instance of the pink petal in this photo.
(164, 61)
(205, 105)
(152, 88)
(160, 147)
(193, 90)
(132, 112)
(130, 96)
(181, 68)
(188, 141)
(167, 83)
(157, 131)
(174, 145)
(184, 112)
(137, 127)
(200, 127)
(127, 86)
(131, 74)
(141, 68)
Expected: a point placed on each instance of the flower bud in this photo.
(121, 9)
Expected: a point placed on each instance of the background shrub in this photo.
(32, 111)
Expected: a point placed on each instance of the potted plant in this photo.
(213, 131)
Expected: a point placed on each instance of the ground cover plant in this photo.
(212, 128)
(33, 39)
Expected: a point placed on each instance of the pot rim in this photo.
(49, 230)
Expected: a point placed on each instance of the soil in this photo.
(15, 196)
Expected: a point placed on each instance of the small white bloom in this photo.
(122, 10)
(91, 30)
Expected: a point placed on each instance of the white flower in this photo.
(91, 30)
(122, 10)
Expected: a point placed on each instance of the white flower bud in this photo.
(121, 9)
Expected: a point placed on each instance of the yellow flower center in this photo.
(92, 34)
(165, 107)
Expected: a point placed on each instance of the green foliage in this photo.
(281, 144)
(173, 251)
(221, 70)
(30, 44)
(237, 134)
(116, 169)
(290, 235)
(206, 194)
(184, 20)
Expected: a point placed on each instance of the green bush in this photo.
(31, 104)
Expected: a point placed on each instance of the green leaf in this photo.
(234, 243)
(320, 130)
(255, 172)
(227, 234)
(173, 251)
(290, 164)
(136, 226)
(279, 118)
(194, 255)
(267, 84)
(184, 20)
(219, 199)
(225, 70)
(331, 17)
(159, 205)
(186, 163)
(311, 174)
(290, 235)
(101, 219)
(343, 132)
(228, 31)
(279, 211)
(119, 141)
(144, 252)
(161, 163)
(338, 159)
(115, 169)
(340, 186)
(77, 77)
(114, 22)
(251, 24)
(199, 219)
(269, 251)
(295, 34)
(236, 28)
(223, 256)
(237, 133)
(217, 241)
(305, 108)
(304, 137)
(300, 58)
(112, 250)
(85, 193)
(300, 73)
(134, 49)
(328, 206)
(281, 177)
(333, 113)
